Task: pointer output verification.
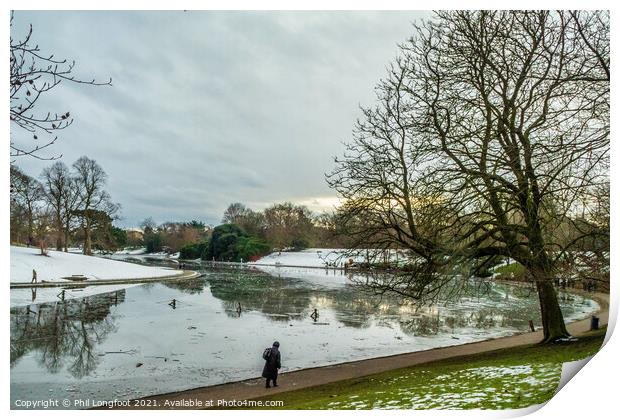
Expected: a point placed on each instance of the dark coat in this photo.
(272, 364)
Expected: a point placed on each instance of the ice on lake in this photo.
(131, 342)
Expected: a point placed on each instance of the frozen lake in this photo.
(131, 342)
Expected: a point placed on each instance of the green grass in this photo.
(514, 270)
(509, 378)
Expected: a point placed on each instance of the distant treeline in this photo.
(244, 234)
(70, 207)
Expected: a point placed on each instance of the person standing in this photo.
(272, 364)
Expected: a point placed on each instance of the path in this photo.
(255, 388)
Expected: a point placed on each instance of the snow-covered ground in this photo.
(321, 257)
(60, 264)
(297, 264)
(129, 251)
(141, 252)
(312, 257)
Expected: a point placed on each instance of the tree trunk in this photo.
(66, 237)
(42, 246)
(87, 250)
(30, 230)
(542, 271)
(58, 232)
(550, 311)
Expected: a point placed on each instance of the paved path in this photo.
(255, 388)
(185, 275)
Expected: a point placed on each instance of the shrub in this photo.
(193, 251)
(152, 242)
(230, 243)
(250, 248)
(119, 236)
(300, 244)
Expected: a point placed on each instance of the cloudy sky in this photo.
(209, 108)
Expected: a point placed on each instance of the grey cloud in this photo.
(213, 107)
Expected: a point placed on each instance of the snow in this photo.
(130, 251)
(319, 257)
(141, 252)
(312, 257)
(59, 264)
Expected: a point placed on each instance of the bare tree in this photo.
(148, 225)
(287, 224)
(90, 181)
(381, 175)
(62, 197)
(28, 194)
(584, 242)
(70, 202)
(33, 75)
(234, 212)
(252, 222)
(491, 130)
(42, 222)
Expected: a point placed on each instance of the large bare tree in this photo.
(287, 224)
(94, 200)
(61, 194)
(490, 132)
(27, 199)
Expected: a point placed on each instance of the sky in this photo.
(214, 107)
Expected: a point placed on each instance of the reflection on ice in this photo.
(132, 343)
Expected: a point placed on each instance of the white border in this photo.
(591, 394)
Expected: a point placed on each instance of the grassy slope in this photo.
(509, 378)
(514, 270)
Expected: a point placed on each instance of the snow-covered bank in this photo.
(311, 264)
(60, 264)
(141, 253)
(131, 251)
(312, 257)
(322, 257)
